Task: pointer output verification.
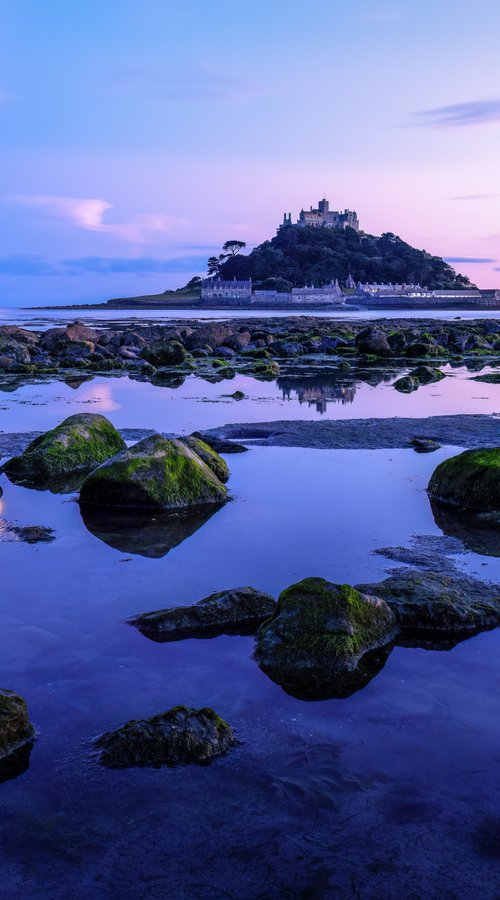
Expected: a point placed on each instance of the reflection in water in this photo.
(75, 383)
(67, 485)
(16, 763)
(466, 528)
(315, 684)
(317, 391)
(143, 534)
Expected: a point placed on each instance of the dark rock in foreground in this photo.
(178, 737)
(156, 473)
(80, 443)
(470, 481)
(433, 603)
(15, 726)
(320, 633)
(236, 611)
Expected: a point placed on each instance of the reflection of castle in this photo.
(316, 391)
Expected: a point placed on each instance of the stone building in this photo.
(324, 217)
(232, 293)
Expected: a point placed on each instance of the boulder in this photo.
(239, 340)
(155, 473)
(470, 481)
(78, 444)
(78, 332)
(209, 456)
(406, 385)
(181, 736)
(319, 634)
(427, 374)
(15, 726)
(434, 603)
(13, 353)
(213, 335)
(373, 340)
(235, 611)
(424, 445)
(167, 353)
(265, 371)
(21, 335)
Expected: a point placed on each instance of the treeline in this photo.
(315, 256)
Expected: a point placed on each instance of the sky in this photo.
(137, 137)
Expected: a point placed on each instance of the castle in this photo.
(323, 217)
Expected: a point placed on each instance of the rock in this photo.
(13, 353)
(155, 473)
(21, 335)
(491, 378)
(181, 736)
(78, 444)
(15, 726)
(235, 611)
(470, 481)
(439, 603)
(397, 341)
(30, 534)
(213, 335)
(372, 340)
(320, 632)
(239, 340)
(406, 385)
(219, 444)
(80, 332)
(265, 371)
(427, 374)
(169, 353)
(209, 456)
(224, 353)
(422, 348)
(238, 395)
(50, 338)
(424, 445)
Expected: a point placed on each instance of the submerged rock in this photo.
(30, 534)
(15, 726)
(155, 473)
(209, 456)
(235, 611)
(427, 374)
(78, 444)
(439, 604)
(318, 636)
(470, 481)
(178, 737)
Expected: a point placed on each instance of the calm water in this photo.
(391, 792)
(40, 319)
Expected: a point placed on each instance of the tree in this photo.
(231, 248)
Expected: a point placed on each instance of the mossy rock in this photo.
(78, 444)
(490, 378)
(407, 384)
(427, 374)
(15, 726)
(470, 481)
(320, 632)
(155, 473)
(265, 371)
(165, 353)
(209, 456)
(181, 736)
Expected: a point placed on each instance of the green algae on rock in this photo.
(470, 481)
(406, 385)
(318, 636)
(155, 473)
(234, 611)
(79, 444)
(15, 726)
(209, 456)
(181, 736)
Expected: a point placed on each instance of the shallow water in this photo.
(392, 791)
(197, 404)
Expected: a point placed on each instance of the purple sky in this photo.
(137, 138)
